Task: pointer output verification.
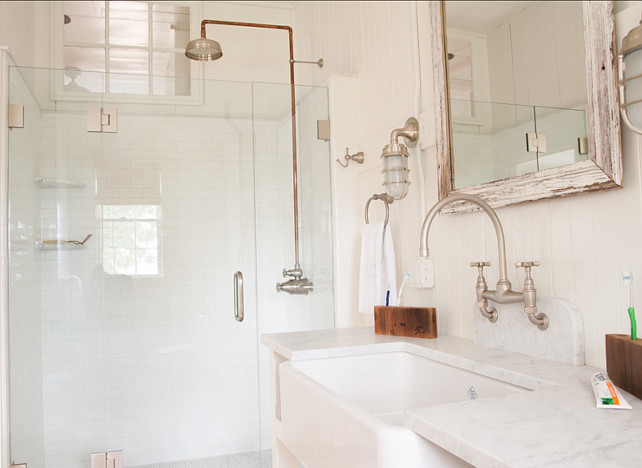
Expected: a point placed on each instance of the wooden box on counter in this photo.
(415, 322)
(624, 363)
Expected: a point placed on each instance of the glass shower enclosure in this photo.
(123, 245)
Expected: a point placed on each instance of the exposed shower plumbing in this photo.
(206, 50)
(297, 284)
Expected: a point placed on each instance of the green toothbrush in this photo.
(627, 276)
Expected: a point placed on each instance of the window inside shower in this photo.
(131, 244)
(123, 47)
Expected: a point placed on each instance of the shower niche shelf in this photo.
(59, 183)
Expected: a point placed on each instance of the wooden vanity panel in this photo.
(624, 363)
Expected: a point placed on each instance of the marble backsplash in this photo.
(562, 341)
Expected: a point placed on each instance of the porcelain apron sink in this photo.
(349, 411)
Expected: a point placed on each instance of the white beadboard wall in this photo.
(371, 77)
(545, 78)
(583, 242)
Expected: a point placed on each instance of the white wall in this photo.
(584, 242)
(17, 30)
(249, 54)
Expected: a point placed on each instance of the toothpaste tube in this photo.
(606, 395)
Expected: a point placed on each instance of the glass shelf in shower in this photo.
(59, 183)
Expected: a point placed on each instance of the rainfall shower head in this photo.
(203, 50)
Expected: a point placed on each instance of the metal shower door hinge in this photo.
(16, 117)
(102, 120)
(582, 145)
(18, 465)
(323, 130)
(536, 142)
(107, 460)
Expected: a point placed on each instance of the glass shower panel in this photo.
(275, 205)
(177, 192)
(281, 312)
(128, 342)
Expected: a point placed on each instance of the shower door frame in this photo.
(5, 441)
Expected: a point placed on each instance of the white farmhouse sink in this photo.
(349, 411)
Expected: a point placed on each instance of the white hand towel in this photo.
(389, 269)
(378, 273)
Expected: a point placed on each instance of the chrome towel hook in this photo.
(381, 197)
(356, 157)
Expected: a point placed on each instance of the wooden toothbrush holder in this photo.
(624, 363)
(415, 322)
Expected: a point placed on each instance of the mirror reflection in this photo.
(517, 88)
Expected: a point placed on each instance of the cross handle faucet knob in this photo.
(480, 266)
(527, 267)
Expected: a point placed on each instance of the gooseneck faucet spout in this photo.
(503, 294)
(501, 244)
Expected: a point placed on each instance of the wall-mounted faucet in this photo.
(503, 294)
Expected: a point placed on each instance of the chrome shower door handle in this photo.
(239, 307)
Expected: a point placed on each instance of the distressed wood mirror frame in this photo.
(602, 170)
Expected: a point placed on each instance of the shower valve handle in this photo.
(295, 273)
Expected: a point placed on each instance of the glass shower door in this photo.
(128, 343)
(181, 371)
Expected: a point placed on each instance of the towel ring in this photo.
(377, 197)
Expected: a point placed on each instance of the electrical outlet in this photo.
(422, 273)
(427, 272)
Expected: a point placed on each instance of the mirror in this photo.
(595, 120)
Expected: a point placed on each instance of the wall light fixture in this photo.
(630, 79)
(395, 159)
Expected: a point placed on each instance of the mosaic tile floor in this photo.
(261, 459)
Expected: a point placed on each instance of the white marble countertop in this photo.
(557, 424)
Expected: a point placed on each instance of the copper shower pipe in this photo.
(293, 107)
